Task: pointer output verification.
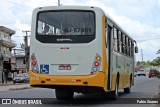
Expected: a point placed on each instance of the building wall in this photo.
(20, 63)
(6, 45)
(5, 36)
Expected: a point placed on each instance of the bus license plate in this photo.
(65, 67)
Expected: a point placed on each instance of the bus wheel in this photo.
(114, 94)
(127, 90)
(64, 94)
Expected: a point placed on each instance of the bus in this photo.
(80, 49)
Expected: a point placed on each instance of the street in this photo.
(144, 88)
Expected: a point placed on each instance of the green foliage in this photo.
(156, 62)
(158, 52)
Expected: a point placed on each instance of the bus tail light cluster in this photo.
(96, 64)
(34, 65)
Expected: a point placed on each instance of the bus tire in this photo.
(127, 90)
(64, 94)
(114, 94)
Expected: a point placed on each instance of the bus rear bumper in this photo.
(94, 80)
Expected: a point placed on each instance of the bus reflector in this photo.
(78, 80)
(48, 79)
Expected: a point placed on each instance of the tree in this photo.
(156, 62)
(158, 52)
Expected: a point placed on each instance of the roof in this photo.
(7, 30)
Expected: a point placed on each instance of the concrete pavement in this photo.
(10, 86)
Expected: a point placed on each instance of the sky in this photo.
(140, 18)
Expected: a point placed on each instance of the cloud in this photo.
(140, 18)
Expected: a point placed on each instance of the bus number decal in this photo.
(81, 30)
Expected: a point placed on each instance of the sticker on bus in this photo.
(44, 69)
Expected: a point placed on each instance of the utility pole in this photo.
(59, 3)
(142, 64)
(142, 54)
(26, 50)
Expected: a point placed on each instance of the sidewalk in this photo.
(8, 83)
(10, 86)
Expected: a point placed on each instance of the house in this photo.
(6, 45)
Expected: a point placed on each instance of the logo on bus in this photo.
(64, 39)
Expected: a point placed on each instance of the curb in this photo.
(12, 84)
(20, 88)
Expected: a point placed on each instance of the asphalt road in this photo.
(144, 88)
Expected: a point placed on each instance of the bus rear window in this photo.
(65, 26)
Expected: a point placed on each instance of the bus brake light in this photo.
(34, 63)
(96, 63)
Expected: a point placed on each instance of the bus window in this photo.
(129, 47)
(80, 24)
(126, 45)
(132, 48)
(115, 39)
(119, 42)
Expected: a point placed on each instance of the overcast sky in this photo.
(140, 18)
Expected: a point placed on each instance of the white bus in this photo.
(80, 49)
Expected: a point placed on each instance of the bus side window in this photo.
(126, 45)
(129, 46)
(119, 42)
(132, 48)
(122, 43)
(115, 39)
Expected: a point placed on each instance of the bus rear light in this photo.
(98, 58)
(34, 63)
(94, 69)
(96, 64)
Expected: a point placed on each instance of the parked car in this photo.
(153, 73)
(27, 77)
(135, 74)
(21, 78)
(141, 72)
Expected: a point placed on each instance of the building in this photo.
(18, 63)
(6, 45)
